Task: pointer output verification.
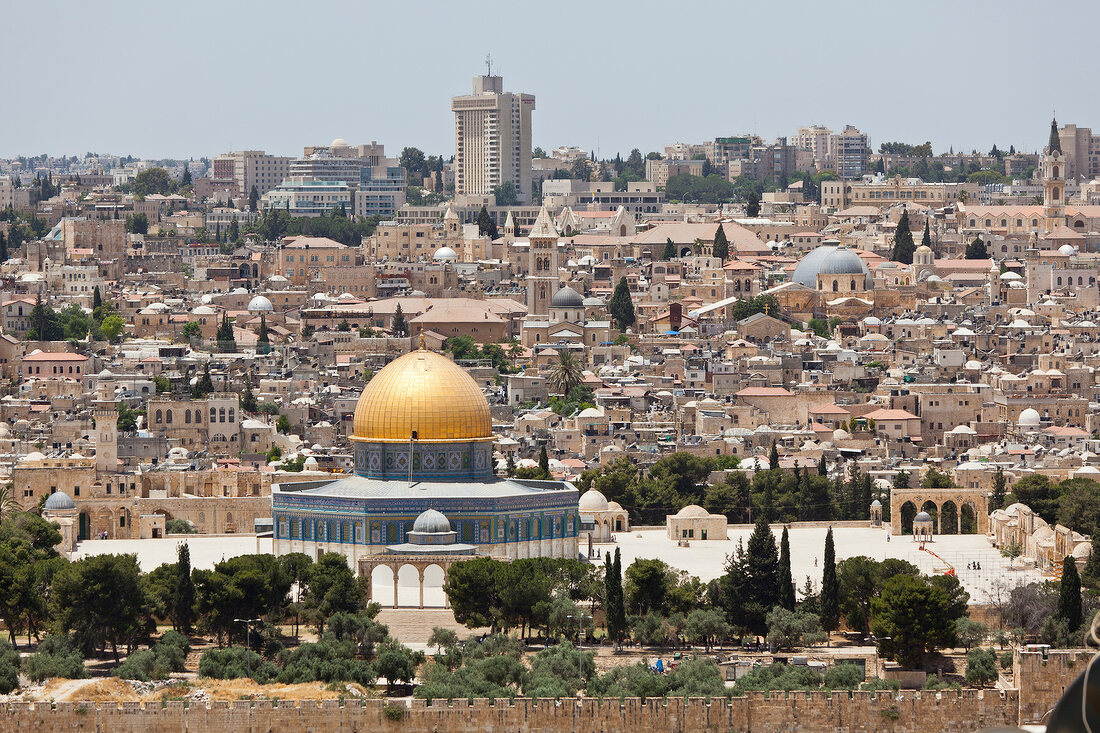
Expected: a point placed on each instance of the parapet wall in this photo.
(1043, 677)
(968, 710)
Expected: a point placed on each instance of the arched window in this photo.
(158, 417)
(1054, 193)
(187, 417)
(852, 285)
(232, 414)
(221, 415)
(1055, 175)
(836, 286)
(213, 414)
(168, 416)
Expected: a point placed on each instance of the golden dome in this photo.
(424, 392)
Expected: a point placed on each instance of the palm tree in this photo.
(565, 373)
(8, 504)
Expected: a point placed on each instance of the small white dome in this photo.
(1029, 417)
(1067, 249)
(445, 254)
(592, 501)
(692, 511)
(339, 143)
(841, 434)
(260, 304)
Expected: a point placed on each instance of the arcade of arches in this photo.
(953, 511)
(400, 581)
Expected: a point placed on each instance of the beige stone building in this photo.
(492, 138)
(693, 522)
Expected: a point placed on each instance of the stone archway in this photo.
(954, 505)
(432, 579)
(949, 518)
(409, 585)
(906, 513)
(381, 582)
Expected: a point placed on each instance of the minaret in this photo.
(1054, 182)
(106, 437)
(542, 271)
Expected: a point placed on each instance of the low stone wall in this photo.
(772, 713)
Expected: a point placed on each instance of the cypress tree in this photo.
(761, 576)
(511, 468)
(544, 462)
(227, 343)
(622, 306)
(205, 385)
(248, 398)
(4, 248)
(1069, 595)
(399, 325)
(926, 240)
(773, 457)
(263, 341)
(997, 495)
(97, 299)
(822, 470)
(830, 588)
(485, 224)
(183, 602)
(786, 582)
(254, 199)
(721, 248)
(618, 607)
(670, 250)
(903, 241)
(1091, 574)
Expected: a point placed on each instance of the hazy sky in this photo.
(157, 79)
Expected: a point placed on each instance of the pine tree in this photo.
(486, 226)
(248, 398)
(761, 576)
(976, 250)
(399, 325)
(830, 588)
(622, 306)
(773, 457)
(183, 601)
(97, 299)
(786, 582)
(186, 179)
(205, 385)
(670, 250)
(903, 241)
(997, 495)
(1069, 595)
(721, 248)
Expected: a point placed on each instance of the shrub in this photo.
(9, 668)
(166, 656)
(56, 657)
(393, 711)
(1006, 659)
(843, 677)
(329, 660)
(236, 662)
(179, 526)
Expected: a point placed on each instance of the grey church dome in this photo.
(567, 297)
(830, 259)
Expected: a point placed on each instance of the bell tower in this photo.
(542, 270)
(1054, 182)
(106, 437)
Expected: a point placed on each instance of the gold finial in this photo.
(421, 337)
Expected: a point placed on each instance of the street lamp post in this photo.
(580, 647)
(248, 640)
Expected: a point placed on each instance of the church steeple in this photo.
(1055, 142)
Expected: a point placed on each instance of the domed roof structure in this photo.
(431, 522)
(424, 393)
(445, 254)
(1067, 249)
(567, 297)
(592, 501)
(830, 259)
(339, 143)
(1029, 417)
(692, 510)
(260, 304)
(58, 501)
(922, 517)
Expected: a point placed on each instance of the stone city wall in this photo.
(1044, 676)
(775, 713)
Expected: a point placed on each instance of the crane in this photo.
(950, 568)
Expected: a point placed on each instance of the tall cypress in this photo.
(903, 241)
(97, 299)
(183, 603)
(773, 457)
(786, 582)
(926, 240)
(721, 248)
(616, 608)
(830, 588)
(822, 470)
(670, 250)
(621, 306)
(1069, 595)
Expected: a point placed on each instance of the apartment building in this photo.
(659, 171)
(882, 191)
(251, 169)
(1082, 151)
(492, 138)
(814, 138)
(305, 196)
(849, 152)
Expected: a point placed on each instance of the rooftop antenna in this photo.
(489, 64)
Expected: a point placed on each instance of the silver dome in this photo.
(58, 501)
(567, 297)
(432, 522)
(830, 259)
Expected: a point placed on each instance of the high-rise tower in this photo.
(1054, 182)
(492, 138)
